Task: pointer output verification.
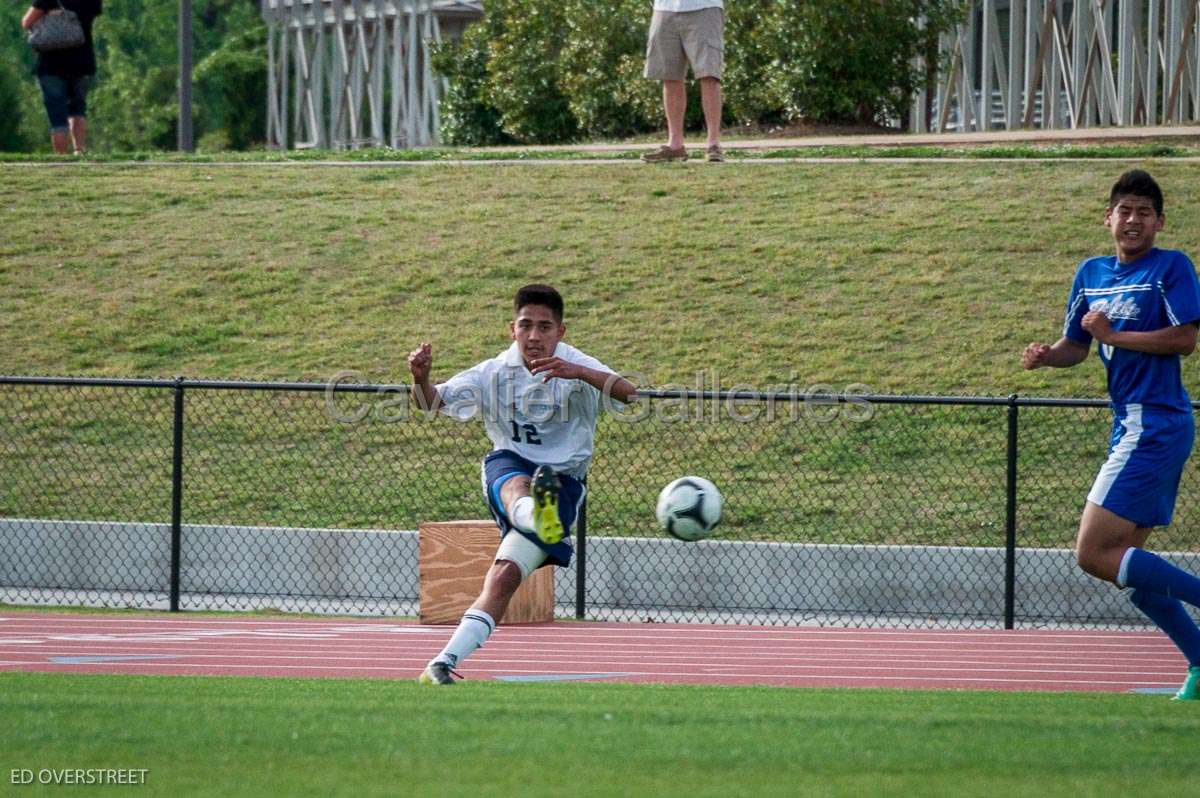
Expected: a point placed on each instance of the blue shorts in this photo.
(64, 98)
(1145, 460)
(501, 466)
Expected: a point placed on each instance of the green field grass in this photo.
(911, 278)
(223, 736)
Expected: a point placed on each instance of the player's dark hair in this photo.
(538, 294)
(1137, 183)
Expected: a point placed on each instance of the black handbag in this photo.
(56, 31)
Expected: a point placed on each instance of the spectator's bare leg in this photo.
(61, 143)
(675, 104)
(79, 133)
(710, 101)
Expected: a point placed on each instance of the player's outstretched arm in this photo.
(606, 382)
(1062, 354)
(420, 363)
(1177, 340)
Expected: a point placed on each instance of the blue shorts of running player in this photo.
(502, 465)
(1145, 460)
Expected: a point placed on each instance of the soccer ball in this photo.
(689, 508)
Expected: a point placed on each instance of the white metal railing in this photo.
(1100, 62)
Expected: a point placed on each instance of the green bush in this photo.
(548, 70)
(133, 107)
(23, 123)
(467, 117)
(524, 81)
(752, 55)
(852, 60)
(600, 68)
(228, 81)
(11, 112)
(504, 83)
(134, 104)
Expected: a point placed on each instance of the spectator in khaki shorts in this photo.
(686, 32)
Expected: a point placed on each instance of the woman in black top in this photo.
(66, 75)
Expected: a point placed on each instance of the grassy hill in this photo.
(907, 278)
(904, 278)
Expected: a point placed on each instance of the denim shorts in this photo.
(64, 98)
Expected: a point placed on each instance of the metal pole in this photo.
(176, 494)
(1010, 517)
(185, 76)
(581, 561)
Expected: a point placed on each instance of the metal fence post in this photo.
(581, 561)
(176, 493)
(184, 133)
(1010, 517)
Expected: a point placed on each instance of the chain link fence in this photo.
(839, 510)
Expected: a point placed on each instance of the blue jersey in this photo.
(1157, 290)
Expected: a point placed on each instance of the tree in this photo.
(854, 60)
(134, 104)
(231, 86)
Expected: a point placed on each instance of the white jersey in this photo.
(550, 423)
(687, 5)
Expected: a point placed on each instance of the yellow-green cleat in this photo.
(546, 523)
(1191, 686)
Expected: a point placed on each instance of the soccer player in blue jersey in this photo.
(539, 400)
(1142, 306)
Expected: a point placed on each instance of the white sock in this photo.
(472, 631)
(521, 514)
(1123, 571)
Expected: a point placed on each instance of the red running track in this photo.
(1114, 661)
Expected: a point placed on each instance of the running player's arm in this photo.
(1177, 340)
(1062, 354)
(1072, 348)
(605, 382)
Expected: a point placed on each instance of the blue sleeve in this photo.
(1181, 292)
(1077, 306)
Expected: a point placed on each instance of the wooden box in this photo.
(453, 559)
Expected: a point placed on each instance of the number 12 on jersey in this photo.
(531, 433)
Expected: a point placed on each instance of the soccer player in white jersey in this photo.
(1142, 306)
(539, 400)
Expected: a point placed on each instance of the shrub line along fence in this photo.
(777, 562)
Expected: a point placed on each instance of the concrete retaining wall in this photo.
(98, 555)
(379, 567)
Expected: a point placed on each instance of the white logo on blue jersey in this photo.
(1119, 307)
